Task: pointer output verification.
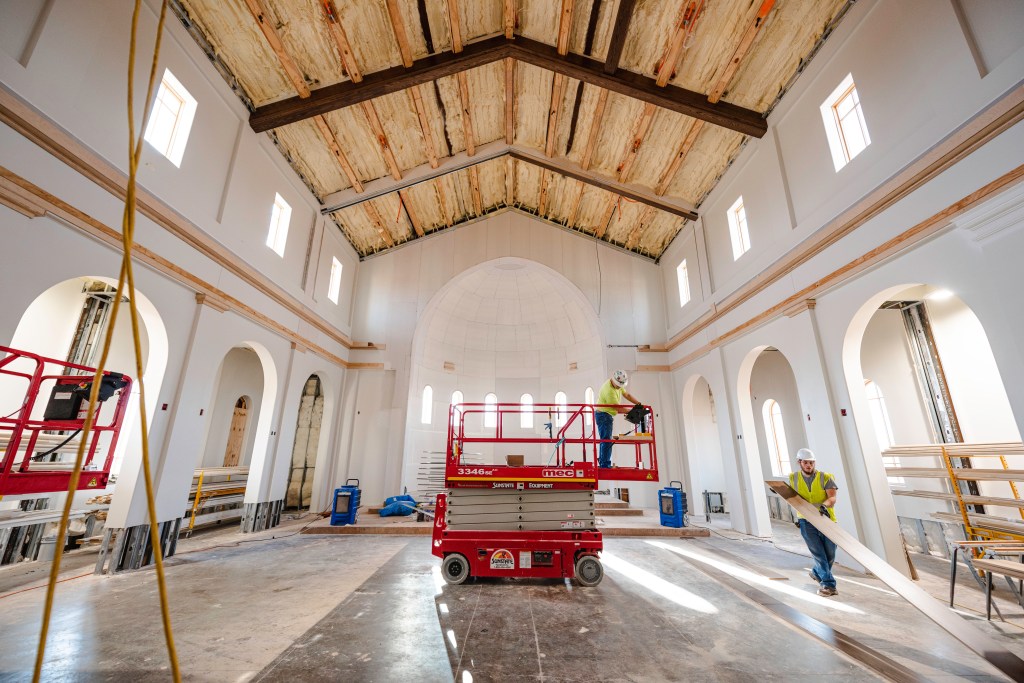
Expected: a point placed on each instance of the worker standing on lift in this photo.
(611, 394)
(817, 488)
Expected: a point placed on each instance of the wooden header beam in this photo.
(484, 52)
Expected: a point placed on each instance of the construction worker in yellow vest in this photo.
(818, 489)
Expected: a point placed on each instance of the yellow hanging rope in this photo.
(126, 275)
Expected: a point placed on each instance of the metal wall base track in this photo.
(128, 549)
(262, 516)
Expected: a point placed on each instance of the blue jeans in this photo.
(604, 431)
(824, 552)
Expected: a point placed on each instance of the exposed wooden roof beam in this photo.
(684, 148)
(270, 33)
(542, 203)
(382, 228)
(414, 221)
(741, 51)
(382, 139)
(634, 192)
(474, 185)
(643, 125)
(510, 181)
(442, 200)
(428, 137)
(510, 100)
(619, 32)
(638, 228)
(467, 116)
(332, 142)
(606, 218)
(510, 19)
(455, 25)
(675, 47)
(476, 54)
(595, 129)
(398, 26)
(575, 209)
(348, 58)
(558, 83)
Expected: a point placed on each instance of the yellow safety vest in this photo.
(816, 495)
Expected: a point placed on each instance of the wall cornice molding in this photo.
(1002, 213)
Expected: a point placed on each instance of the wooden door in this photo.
(236, 435)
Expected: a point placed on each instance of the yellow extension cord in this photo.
(127, 237)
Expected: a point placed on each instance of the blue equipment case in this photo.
(346, 504)
(672, 503)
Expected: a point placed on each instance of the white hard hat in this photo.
(805, 454)
(620, 378)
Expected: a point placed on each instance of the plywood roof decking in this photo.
(620, 150)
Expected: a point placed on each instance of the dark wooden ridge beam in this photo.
(618, 39)
(575, 172)
(377, 84)
(395, 79)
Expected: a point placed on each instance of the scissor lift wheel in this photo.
(455, 569)
(589, 571)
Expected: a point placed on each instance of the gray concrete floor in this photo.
(276, 607)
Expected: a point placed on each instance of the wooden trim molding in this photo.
(36, 127)
(15, 198)
(206, 293)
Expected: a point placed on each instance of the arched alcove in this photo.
(508, 327)
(705, 466)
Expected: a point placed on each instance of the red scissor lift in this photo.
(35, 459)
(530, 520)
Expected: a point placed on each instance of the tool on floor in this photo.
(672, 505)
(527, 520)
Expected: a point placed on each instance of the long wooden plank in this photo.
(970, 500)
(965, 474)
(981, 521)
(952, 623)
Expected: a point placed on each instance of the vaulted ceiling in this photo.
(614, 118)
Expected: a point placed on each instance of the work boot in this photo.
(814, 577)
(827, 592)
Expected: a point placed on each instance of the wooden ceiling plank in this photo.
(455, 25)
(474, 184)
(382, 139)
(382, 230)
(575, 210)
(572, 65)
(677, 160)
(558, 83)
(638, 228)
(542, 204)
(629, 154)
(675, 47)
(348, 58)
(270, 33)
(741, 51)
(428, 137)
(510, 181)
(510, 19)
(467, 117)
(417, 224)
(398, 27)
(606, 217)
(332, 142)
(595, 129)
(619, 33)
(442, 201)
(510, 100)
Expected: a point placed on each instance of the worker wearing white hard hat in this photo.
(609, 402)
(817, 488)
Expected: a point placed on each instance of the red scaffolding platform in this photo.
(537, 519)
(39, 438)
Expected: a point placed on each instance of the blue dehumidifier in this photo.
(672, 503)
(346, 504)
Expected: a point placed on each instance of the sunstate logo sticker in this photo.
(502, 559)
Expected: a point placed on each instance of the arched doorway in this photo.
(306, 445)
(920, 370)
(705, 465)
(236, 432)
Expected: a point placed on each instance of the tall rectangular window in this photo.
(684, 283)
(171, 118)
(280, 216)
(335, 286)
(844, 123)
(738, 229)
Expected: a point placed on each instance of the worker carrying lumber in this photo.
(819, 489)
(611, 394)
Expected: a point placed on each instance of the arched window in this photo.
(775, 435)
(588, 398)
(456, 399)
(490, 410)
(526, 411)
(428, 405)
(883, 428)
(560, 401)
